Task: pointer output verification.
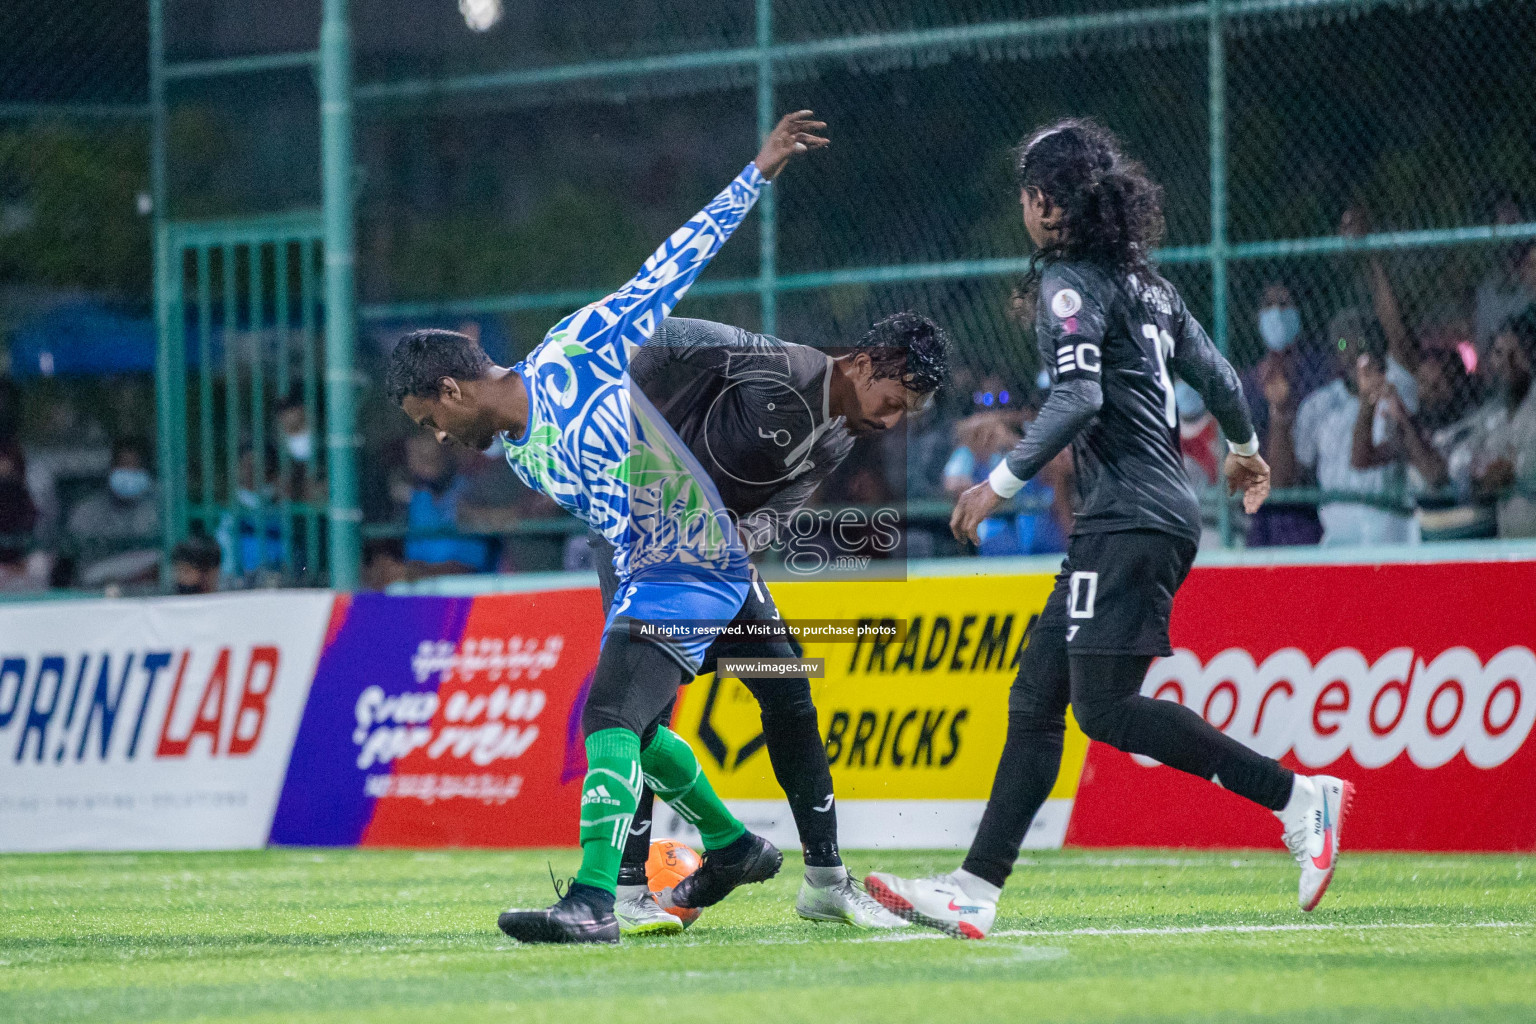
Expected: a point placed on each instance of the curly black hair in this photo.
(423, 358)
(1111, 212)
(911, 347)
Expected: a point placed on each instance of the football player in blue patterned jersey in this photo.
(574, 429)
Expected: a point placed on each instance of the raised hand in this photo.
(1277, 389)
(794, 134)
(1371, 381)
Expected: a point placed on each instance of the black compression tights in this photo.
(799, 760)
(1108, 705)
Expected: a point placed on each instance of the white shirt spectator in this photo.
(1504, 292)
(1517, 512)
(1325, 424)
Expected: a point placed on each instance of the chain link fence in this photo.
(1374, 159)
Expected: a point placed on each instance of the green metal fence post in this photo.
(281, 317)
(341, 441)
(205, 441)
(768, 240)
(170, 362)
(1217, 45)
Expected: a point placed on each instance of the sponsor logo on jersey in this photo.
(1065, 303)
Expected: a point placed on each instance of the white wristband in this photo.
(1250, 447)
(1004, 484)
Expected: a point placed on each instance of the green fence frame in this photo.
(332, 61)
(295, 244)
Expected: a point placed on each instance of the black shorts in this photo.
(757, 608)
(1114, 594)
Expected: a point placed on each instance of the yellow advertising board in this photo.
(919, 720)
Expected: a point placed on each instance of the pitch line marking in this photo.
(1210, 929)
(1204, 929)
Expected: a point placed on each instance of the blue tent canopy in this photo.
(83, 338)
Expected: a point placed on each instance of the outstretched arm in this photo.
(628, 317)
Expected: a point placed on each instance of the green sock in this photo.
(674, 773)
(609, 795)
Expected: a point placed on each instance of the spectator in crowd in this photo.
(385, 564)
(250, 532)
(68, 453)
(1317, 446)
(1510, 285)
(19, 570)
(980, 438)
(1199, 435)
(1424, 439)
(1294, 366)
(1510, 471)
(1445, 389)
(432, 510)
(297, 436)
(1489, 457)
(1402, 347)
(118, 528)
(984, 440)
(293, 424)
(195, 565)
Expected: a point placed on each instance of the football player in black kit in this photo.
(1114, 335)
(768, 421)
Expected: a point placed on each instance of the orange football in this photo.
(670, 862)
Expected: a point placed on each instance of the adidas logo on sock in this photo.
(598, 795)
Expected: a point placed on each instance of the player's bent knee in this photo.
(1104, 721)
(782, 699)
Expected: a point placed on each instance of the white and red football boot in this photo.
(935, 902)
(1314, 823)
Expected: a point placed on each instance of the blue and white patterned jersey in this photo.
(599, 449)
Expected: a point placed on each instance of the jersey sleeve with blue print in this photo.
(596, 445)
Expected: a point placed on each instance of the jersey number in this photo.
(1162, 346)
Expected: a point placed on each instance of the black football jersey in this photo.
(752, 408)
(1132, 336)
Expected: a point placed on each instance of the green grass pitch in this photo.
(382, 936)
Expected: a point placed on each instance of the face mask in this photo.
(247, 498)
(188, 588)
(1191, 405)
(1278, 326)
(301, 447)
(129, 484)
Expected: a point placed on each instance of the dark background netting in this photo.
(1416, 115)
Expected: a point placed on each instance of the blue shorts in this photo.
(682, 617)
